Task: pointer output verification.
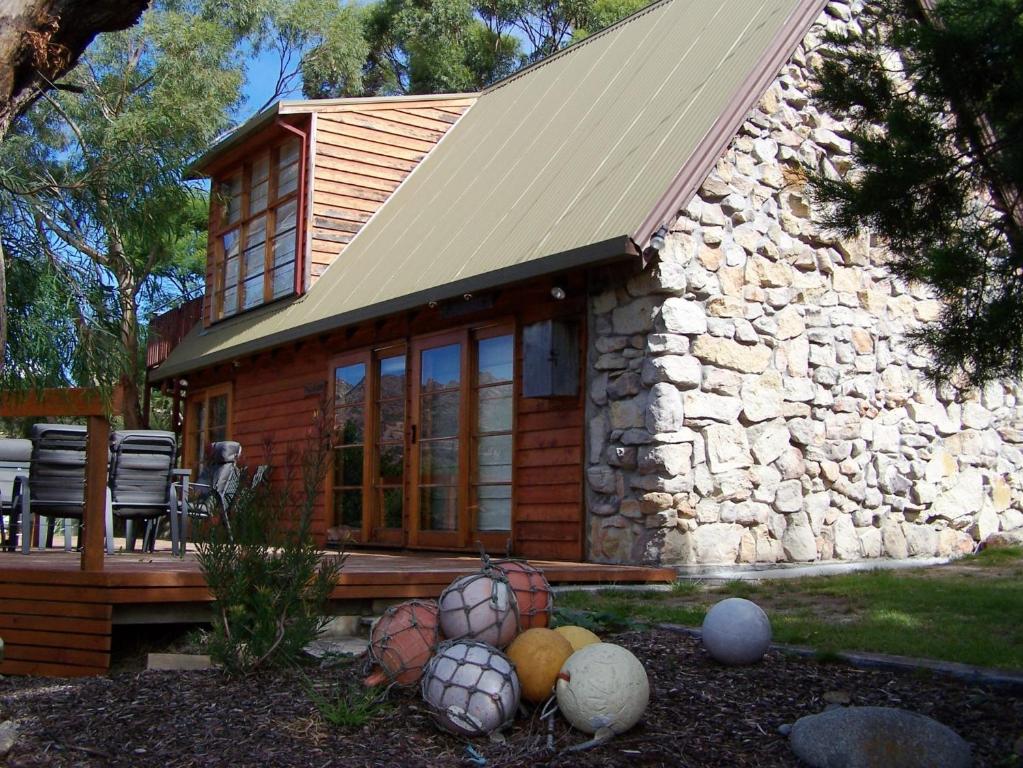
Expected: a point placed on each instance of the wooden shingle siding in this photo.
(362, 154)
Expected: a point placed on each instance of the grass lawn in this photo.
(970, 611)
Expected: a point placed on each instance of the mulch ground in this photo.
(700, 715)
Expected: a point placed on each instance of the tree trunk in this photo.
(40, 40)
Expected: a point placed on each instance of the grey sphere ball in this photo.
(736, 631)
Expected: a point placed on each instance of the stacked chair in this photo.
(43, 479)
(15, 458)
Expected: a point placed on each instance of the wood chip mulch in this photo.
(700, 715)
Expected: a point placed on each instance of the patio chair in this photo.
(140, 487)
(56, 480)
(15, 458)
(213, 490)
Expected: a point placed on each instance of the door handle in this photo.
(412, 434)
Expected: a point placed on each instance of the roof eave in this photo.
(610, 250)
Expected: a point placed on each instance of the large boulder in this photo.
(877, 737)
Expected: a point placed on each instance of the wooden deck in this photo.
(56, 619)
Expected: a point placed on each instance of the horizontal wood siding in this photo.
(57, 636)
(277, 397)
(362, 154)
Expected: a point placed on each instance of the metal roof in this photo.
(561, 164)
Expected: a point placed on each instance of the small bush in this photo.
(345, 704)
(269, 581)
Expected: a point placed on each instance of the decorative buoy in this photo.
(480, 607)
(532, 592)
(471, 688)
(736, 631)
(402, 641)
(538, 655)
(603, 686)
(579, 637)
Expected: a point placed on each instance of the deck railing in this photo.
(167, 330)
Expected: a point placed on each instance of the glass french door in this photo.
(438, 447)
(424, 440)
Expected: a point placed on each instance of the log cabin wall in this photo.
(277, 396)
(362, 153)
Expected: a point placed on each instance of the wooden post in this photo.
(95, 493)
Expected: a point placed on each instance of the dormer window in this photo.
(255, 232)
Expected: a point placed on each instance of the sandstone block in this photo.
(726, 447)
(683, 316)
(635, 317)
(665, 409)
(762, 397)
(921, 540)
(705, 405)
(716, 543)
(683, 371)
(732, 355)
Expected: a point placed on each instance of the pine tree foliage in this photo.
(934, 101)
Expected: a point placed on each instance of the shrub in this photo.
(269, 581)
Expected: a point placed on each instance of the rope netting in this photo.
(481, 606)
(470, 688)
(533, 593)
(402, 641)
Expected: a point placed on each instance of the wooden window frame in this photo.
(220, 226)
(191, 432)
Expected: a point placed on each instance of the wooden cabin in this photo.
(588, 313)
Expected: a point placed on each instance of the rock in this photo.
(8, 736)
(603, 479)
(683, 316)
(683, 371)
(704, 405)
(762, 397)
(165, 661)
(771, 444)
(349, 646)
(790, 324)
(789, 496)
(628, 413)
(877, 737)
(664, 410)
(727, 447)
(1003, 540)
(635, 317)
(623, 385)
(799, 543)
(731, 354)
(964, 498)
(847, 543)
(894, 540)
(673, 459)
(921, 540)
(715, 543)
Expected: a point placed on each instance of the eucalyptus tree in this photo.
(93, 176)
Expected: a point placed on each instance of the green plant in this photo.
(269, 581)
(345, 704)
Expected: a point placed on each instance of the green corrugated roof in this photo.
(560, 164)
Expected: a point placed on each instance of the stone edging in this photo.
(1000, 678)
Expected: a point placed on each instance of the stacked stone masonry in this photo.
(752, 395)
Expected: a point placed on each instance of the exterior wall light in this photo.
(558, 292)
(657, 241)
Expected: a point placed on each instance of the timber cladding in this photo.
(278, 397)
(362, 153)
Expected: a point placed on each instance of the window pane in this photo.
(438, 462)
(260, 184)
(494, 459)
(390, 464)
(438, 509)
(392, 504)
(252, 291)
(495, 359)
(350, 384)
(439, 415)
(493, 512)
(392, 376)
(231, 190)
(348, 466)
(392, 421)
(441, 367)
(218, 412)
(287, 165)
(349, 424)
(284, 280)
(255, 252)
(231, 286)
(348, 508)
(285, 222)
(494, 409)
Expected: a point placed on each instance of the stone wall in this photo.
(752, 394)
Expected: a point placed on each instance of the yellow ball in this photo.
(538, 655)
(577, 636)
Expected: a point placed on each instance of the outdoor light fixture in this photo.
(657, 241)
(558, 292)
